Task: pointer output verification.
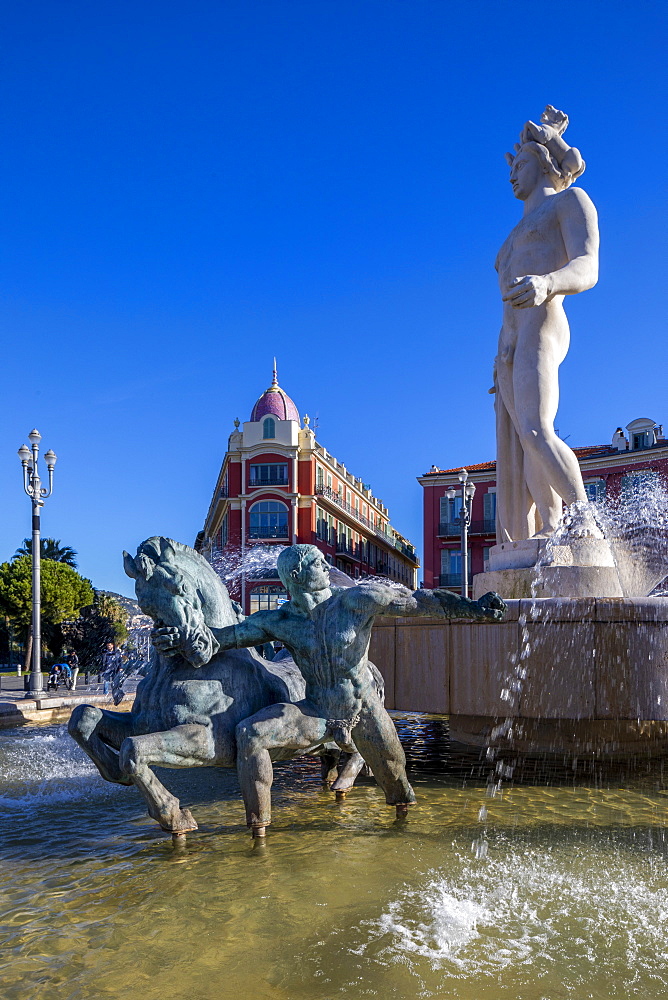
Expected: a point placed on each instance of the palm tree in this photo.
(50, 548)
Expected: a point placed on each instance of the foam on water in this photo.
(530, 910)
(45, 768)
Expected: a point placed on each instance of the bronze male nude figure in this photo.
(328, 632)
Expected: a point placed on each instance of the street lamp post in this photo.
(38, 494)
(467, 493)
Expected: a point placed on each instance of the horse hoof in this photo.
(327, 786)
(259, 833)
(402, 810)
(179, 839)
(340, 795)
(182, 824)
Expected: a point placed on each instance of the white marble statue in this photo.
(551, 252)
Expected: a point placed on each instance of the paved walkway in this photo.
(53, 706)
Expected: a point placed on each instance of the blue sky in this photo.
(190, 189)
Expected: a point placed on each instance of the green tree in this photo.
(50, 548)
(102, 622)
(63, 593)
(109, 608)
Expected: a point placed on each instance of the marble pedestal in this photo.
(536, 567)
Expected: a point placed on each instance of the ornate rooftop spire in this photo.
(275, 402)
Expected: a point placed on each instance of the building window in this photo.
(450, 510)
(321, 524)
(489, 510)
(636, 483)
(268, 597)
(268, 519)
(222, 534)
(595, 490)
(269, 428)
(451, 568)
(485, 557)
(269, 475)
(319, 476)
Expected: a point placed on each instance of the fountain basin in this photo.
(554, 888)
(595, 674)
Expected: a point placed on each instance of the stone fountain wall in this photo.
(596, 673)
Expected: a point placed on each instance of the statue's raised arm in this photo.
(380, 597)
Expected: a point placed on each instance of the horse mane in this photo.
(186, 563)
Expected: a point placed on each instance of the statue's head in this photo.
(303, 568)
(529, 167)
(542, 154)
(176, 586)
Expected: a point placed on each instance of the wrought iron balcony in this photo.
(269, 531)
(256, 484)
(452, 529)
(263, 574)
(351, 550)
(450, 580)
(389, 539)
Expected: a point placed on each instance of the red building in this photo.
(278, 486)
(632, 459)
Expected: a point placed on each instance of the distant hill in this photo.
(127, 603)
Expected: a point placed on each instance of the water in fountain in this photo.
(342, 902)
(636, 525)
(258, 562)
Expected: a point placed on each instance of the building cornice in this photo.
(643, 456)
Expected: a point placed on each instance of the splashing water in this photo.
(486, 919)
(259, 562)
(46, 768)
(636, 525)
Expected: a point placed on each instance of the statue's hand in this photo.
(529, 290)
(492, 607)
(167, 640)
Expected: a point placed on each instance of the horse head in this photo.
(176, 586)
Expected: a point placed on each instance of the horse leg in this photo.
(100, 733)
(329, 760)
(349, 772)
(184, 746)
(296, 727)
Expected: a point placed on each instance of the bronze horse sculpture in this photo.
(187, 708)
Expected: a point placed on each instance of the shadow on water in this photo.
(429, 753)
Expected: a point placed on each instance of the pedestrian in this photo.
(112, 661)
(73, 661)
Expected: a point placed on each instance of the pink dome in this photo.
(274, 402)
